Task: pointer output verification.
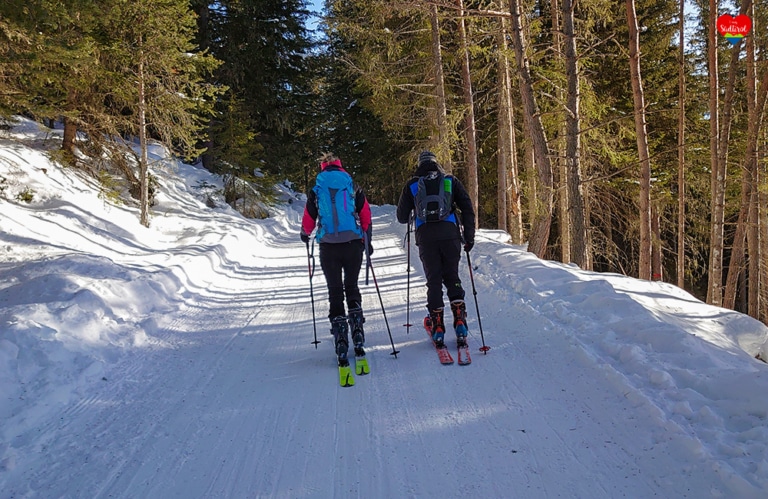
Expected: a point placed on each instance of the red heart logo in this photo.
(734, 28)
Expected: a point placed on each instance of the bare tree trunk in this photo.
(531, 175)
(559, 162)
(750, 165)
(144, 158)
(542, 216)
(70, 128)
(469, 120)
(509, 210)
(657, 273)
(515, 208)
(681, 152)
(576, 219)
(715, 283)
(753, 225)
(503, 123)
(70, 132)
(644, 269)
(502, 160)
(753, 247)
(762, 229)
(443, 147)
(736, 263)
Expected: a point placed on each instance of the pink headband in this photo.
(335, 162)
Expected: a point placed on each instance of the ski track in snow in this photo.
(231, 399)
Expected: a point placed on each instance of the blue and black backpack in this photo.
(337, 220)
(433, 198)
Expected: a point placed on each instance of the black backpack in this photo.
(433, 197)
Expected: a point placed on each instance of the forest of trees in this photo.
(621, 136)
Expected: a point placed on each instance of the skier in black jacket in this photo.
(440, 243)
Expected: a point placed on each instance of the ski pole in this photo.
(367, 257)
(484, 348)
(311, 268)
(381, 301)
(408, 279)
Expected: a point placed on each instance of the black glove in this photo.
(304, 238)
(468, 246)
(370, 249)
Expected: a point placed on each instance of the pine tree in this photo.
(269, 68)
(15, 48)
(156, 77)
(52, 65)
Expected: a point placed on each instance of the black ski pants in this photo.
(341, 264)
(440, 260)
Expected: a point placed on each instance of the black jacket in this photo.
(439, 231)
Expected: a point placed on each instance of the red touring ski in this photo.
(442, 352)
